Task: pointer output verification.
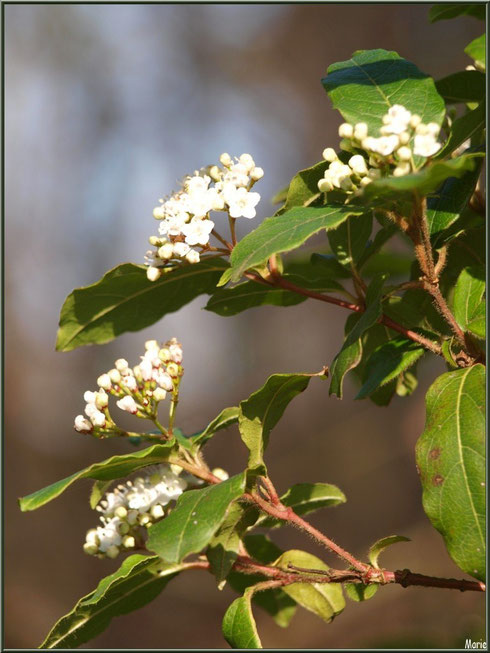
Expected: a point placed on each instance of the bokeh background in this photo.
(107, 106)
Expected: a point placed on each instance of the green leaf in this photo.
(464, 86)
(328, 266)
(365, 86)
(99, 488)
(468, 301)
(262, 548)
(109, 469)
(464, 128)
(226, 418)
(415, 309)
(263, 409)
(387, 362)
(373, 247)
(223, 547)
(285, 232)
(424, 182)
(359, 592)
(230, 301)
(445, 11)
(137, 582)
(195, 519)
(349, 240)
(239, 628)
(351, 352)
(303, 188)
(323, 599)
(476, 50)
(376, 549)
(304, 498)
(451, 461)
(124, 300)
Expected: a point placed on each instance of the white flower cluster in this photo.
(132, 507)
(389, 154)
(138, 390)
(184, 216)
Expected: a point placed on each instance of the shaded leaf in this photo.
(476, 50)
(349, 240)
(125, 300)
(109, 469)
(137, 582)
(226, 418)
(444, 11)
(464, 128)
(283, 233)
(464, 86)
(239, 628)
(304, 186)
(230, 301)
(451, 461)
(376, 549)
(468, 301)
(195, 519)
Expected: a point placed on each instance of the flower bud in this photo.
(158, 212)
(101, 400)
(82, 425)
(98, 419)
(157, 511)
(114, 376)
(153, 273)
(404, 137)
(360, 131)
(404, 153)
(165, 251)
(215, 173)
(325, 185)
(90, 549)
(226, 159)
(159, 394)
(92, 536)
(365, 181)
(89, 397)
(329, 154)
(346, 130)
(143, 519)
(193, 256)
(164, 379)
(104, 381)
(374, 173)
(121, 364)
(151, 344)
(181, 249)
(256, 173)
(221, 474)
(121, 512)
(358, 164)
(132, 517)
(402, 169)
(155, 241)
(112, 551)
(128, 404)
(173, 369)
(247, 161)
(415, 120)
(129, 542)
(164, 354)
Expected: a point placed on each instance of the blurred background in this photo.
(107, 107)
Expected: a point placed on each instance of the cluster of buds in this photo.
(389, 154)
(138, 390)
(184, 216)
(133, 507)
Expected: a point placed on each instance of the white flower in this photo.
(200, 203)
(82, 425)
(237, 175)
(164, 380)
(197, 184)
(425, 145)
(346, 130)
(358, 164)
(192, 256)
(396, 120)
(247, 161)
(104, 381)
(176, 353)
(153, 273)
(151, 344)
(329, 154)
(128, 404)
(385, 145)
(181, 249)
(197, 231)
(121, 365)
(146, 368)
(242, 203)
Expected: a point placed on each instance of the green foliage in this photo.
(303, 189)
(476, 50)
(349, 240)
(378, 547)
(323, 599)
(107, 470)
(469, 126)
(137, 582)
(239, 627)
(444, 11)
(464, 86)
(195, 519)
(283, 233)
(226, 418)
(124, 300)
(359, 592)
(263, 409)
(468, 302)
(451, 461)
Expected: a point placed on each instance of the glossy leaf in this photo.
(195, 519)
(387, 362)
(365, 86)
(464, 128)
(451, 461)
(137, 582)
(444, 11)
(283, 233)
(476, 50)
(464, 86)
(109, 469)
(226, 418)
(304, 498)
(124, 300)
(378, 547)
(351, 352)
(349, 240)
(468, 301)
(239, 628)
(263, 409)
(359, 592)
(323, 599)
(303, 188)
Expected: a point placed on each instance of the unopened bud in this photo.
(129, 542)
(221, 474)
(346, 130)
(329, 154)
(415, 120)
(404, 153)
(164, 354)
(165, 251)
(121, 364)
(104, 381)
(157, 511)
(153, 273)
(143, 519)
(193, 256)
(404, 137)
(159, 394)
(358, 164)
(101, 400)
(158, 212)
(155, 241)
(90, 549)
(360, 131)
(325, 185)
(132, 517)
(173, 369)
(112, 551)
(114, 375)
(215, 173)
(226, 159)
(121, 512)
(256, 174)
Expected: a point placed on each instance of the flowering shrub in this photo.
(408, 165)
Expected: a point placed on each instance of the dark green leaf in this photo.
(226, 418)
(476, 50)
(195, 519)
(283, 233)
(467, 127)
(262, 548)
(444, 11)
(137, 582)
(464, 86)
(239, 627)
(124, 300)
(349, 240)
(468, 301)
(304, 498)
(329, 267)
(263, 409)
(387, 362)
(303, 188)
(373, 247)
(376, 549)
(230, 301)
(351, 352)
(112, 468)
(451, 461)
(415, 309)
(323, 599)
